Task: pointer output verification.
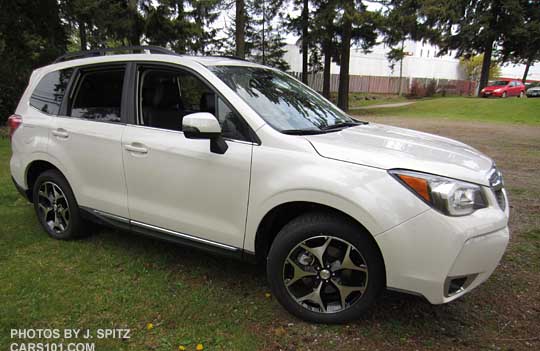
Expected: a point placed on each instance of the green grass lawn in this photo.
(115, 280)
(367, 99)
(511, 110)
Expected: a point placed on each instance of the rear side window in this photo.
(98, 95)
(49, 93)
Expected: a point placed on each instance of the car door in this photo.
(520, 87)
(514, 88)
(176, 185)
(86, 138)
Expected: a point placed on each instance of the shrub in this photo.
(417, 89)
(431, 88)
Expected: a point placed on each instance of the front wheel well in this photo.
(282, 214)
(34, 170)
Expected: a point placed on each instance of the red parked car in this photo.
(504, 88)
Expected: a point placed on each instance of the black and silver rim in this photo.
(325, 274)
(53, 207)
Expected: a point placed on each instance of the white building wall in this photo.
(516, 71)
(421, 62)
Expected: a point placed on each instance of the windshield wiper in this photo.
(302, 131)
(343, 125)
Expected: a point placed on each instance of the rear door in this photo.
(87, 134)
(514, 89)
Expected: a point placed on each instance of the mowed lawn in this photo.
(116, 280)
(510, 110)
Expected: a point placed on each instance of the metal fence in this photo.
(390, 85)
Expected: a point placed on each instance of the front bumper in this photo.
(491, 93)
(441, 257)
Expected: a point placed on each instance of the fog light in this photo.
(455, 285)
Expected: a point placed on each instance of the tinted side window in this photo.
(167, 96)
(232, 125)
(48, 95)
(98, 96)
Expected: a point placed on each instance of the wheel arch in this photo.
(274, 220)
(37, 167)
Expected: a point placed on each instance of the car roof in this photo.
(163, 58)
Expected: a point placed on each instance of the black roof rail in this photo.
(230, 56)
(104, 51)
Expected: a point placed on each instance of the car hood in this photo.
(387, 147)
(534, 89)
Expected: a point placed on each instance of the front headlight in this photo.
(497, 90)
(449, 196)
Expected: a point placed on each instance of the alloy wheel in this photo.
(53, 207)
(325, 274)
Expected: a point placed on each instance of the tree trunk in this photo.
(401, 67)
(526, 73)
(326, 70)
(343, 91)
(240, 23)
(263, 43)
(486, 64)
(82, 35)
(305, 24)
(134, 35)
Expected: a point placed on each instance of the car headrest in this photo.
(167, 95)
(208, 103)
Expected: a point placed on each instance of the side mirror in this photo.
(204, 125)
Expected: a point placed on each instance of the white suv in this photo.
(231, 156)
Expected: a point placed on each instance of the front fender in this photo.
(369, 195)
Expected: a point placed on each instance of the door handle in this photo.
(137, 149)
(60, 133)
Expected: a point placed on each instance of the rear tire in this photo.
(324, 268)
(56, 207)
(521, 94)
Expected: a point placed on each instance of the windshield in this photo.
(499, 82)
(283, 102)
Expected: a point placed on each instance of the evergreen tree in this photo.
(31, 35)
(358, 26)
(267, 43)
(471, 26)
(240, 28)
(205, 13)
(300, 25)
(324, 35)
(522, 43)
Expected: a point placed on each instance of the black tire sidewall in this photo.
(312, 225)
(74, 225)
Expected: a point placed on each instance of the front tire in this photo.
(56, 207)
(504, 95)
(324, 268)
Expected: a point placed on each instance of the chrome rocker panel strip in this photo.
(184, 236)
(157, 232)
